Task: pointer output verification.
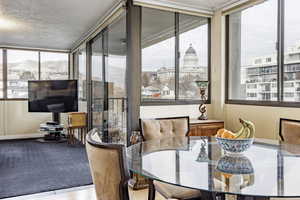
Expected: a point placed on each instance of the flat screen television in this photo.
(56, 96)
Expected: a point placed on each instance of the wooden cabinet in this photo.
(205, 127)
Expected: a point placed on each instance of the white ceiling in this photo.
(208, 5)
(205, 4)
(53, 24)
(58, 24)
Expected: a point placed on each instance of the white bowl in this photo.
(235, 145)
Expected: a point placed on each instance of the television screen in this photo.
(53, 96)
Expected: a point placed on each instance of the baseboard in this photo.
(21, 136)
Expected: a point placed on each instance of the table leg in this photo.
(205, 195)
(151, 192)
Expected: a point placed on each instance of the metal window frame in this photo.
(280, 66)
(5, 67)
(177, 100)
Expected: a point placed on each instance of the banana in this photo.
(239, 132)
(247, 130)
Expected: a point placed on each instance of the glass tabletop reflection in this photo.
(268, 169)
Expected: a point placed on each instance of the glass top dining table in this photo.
(269, 168)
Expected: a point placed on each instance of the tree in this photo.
(145, 80)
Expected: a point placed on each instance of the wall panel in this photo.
(172, 111)
(16, 120)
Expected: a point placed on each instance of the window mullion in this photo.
(177, 56)
(39, 65)
(4, 73)
(280, 51)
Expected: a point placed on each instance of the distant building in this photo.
(151, 91)
(261, 77)
(20, 73)
(189, 68)
(162, 81)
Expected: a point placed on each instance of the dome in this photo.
(190, 59)
(191, 50)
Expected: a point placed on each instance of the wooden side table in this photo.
(205, 127)
(77, 121)
(81, 130)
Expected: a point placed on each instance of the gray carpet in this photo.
(28, 167)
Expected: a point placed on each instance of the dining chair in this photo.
(108, 168)
(157, 129)
(289, 130)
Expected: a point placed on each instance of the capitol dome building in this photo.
(189, 67)
(190, 58)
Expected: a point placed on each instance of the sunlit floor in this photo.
(82, 193)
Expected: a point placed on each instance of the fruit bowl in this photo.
(235, 145)
(235, 165)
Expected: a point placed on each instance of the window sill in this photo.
(14, 99)
(170, 102)
(264, 103)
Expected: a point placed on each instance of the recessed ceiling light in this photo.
(6, 24)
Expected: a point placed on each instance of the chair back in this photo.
(289, 130)
(164, 127)
(108, 168)
(77, 119)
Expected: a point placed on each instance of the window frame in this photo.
(5, 67)
(177, 100)
(280, 65)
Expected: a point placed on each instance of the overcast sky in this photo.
(162, 54)
(259, 29)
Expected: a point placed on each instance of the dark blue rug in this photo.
(28, 167)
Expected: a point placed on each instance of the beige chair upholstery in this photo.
(164, 127)
(290, 131)
(175, 192)
(108, 167)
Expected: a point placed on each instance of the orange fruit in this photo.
(227, 134)
(220, 132)
(226, 175)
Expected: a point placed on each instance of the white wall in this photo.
(265, 118)
(16, 120)
(170, 111)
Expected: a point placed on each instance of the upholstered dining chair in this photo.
(157, 129)
(289, 130)
(108, 167)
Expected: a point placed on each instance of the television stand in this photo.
(56, 117)
(53, 133)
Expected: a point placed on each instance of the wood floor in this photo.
(82, 193)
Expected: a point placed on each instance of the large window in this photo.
(193, 47)
(291, 76)
(54, 66)
(173, 60)
(158, 58)
(17, 66)
(82, 93)
(21, 67)
(264, 67)
(1, 73)
(252, 53)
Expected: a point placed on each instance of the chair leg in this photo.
(151, 191)
(73, 136)
(80, 131)
(84, 135)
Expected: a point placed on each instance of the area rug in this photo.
(28, 167)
